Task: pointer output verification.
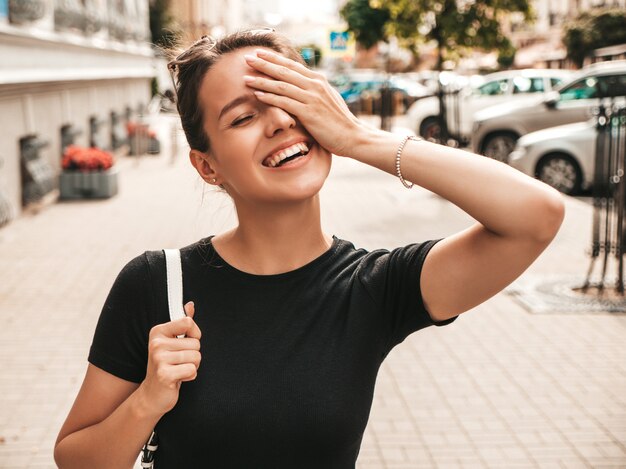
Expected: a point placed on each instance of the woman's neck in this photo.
(273, 240)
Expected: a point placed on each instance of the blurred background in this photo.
(93, 172)
(90, 73)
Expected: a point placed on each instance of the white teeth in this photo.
(274, 160)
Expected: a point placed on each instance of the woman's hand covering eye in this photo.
(308, 96)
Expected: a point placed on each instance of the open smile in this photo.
(289, 157)
(292, 162)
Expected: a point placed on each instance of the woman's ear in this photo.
(205, 165)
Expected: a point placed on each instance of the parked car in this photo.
(367, 83)
(352, 85)
(562, 157)
(497, 129)
(501, 87)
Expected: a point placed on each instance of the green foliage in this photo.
(592, 30)
(162, 24)
(317, 54)
(506, 55)
(454, 25)
(366, 22)
(154, 86)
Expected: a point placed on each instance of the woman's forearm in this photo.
(113, 443)
(502, 199)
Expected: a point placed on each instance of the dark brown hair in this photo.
(191, 65)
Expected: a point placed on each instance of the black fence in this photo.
(609, 197)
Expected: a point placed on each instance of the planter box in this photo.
(88, 185)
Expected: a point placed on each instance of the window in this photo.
(555, 82)
(612, 85)
(587, 88)
(527, 85)
(607, 86)
(493, 88)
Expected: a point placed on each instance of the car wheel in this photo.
(499, 146)
(430, 129)
(561, 172)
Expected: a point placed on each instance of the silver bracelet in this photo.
(399, 153)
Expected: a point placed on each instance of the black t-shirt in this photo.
(289, 361)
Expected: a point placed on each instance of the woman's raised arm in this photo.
(517, 216)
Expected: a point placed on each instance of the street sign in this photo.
(339, 40)
(340, 44)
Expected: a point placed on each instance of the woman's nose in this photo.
(279, 119)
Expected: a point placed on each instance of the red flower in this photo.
(137, 129)
(86, 159)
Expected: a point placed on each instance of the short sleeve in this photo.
(120, 343)
(392, 278)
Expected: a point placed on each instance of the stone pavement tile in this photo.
(594, 452)
(417, 454)
(404, 439)
(393, 454)
(604, 464)
(371, 464)
(554, 452)
(411, 465)
(471, 463)
(616, 449)
(369, 457)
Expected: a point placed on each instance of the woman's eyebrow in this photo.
(236, 102)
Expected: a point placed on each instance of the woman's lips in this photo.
(275, 158)
(295, 163)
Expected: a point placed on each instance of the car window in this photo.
(527, 85)
(585, 88)
(612, 85)
(493, 88)
(554, 82)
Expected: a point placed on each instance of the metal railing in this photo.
(609, 196)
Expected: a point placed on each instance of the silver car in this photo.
(496, 88)
(562, 156)
(497, 128)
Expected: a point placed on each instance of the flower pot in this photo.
(88, 184)
(26, 11)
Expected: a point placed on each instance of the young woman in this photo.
(292, 324)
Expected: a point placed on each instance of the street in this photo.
(501, 387)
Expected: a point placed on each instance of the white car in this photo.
(562, 157)
(497, 128)
(502, 87)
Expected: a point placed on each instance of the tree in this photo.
(592, 30)
(162, 24)
(455, 26)
(366, 22)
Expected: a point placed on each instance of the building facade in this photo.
(540, 43)
(195, 18)
(73, 71)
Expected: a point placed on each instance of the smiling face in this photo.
(248, 137)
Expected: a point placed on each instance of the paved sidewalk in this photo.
(500, 388)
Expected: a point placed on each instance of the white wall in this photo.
(50, 77)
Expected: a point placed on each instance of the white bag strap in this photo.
(174, 277)
(174, 284)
